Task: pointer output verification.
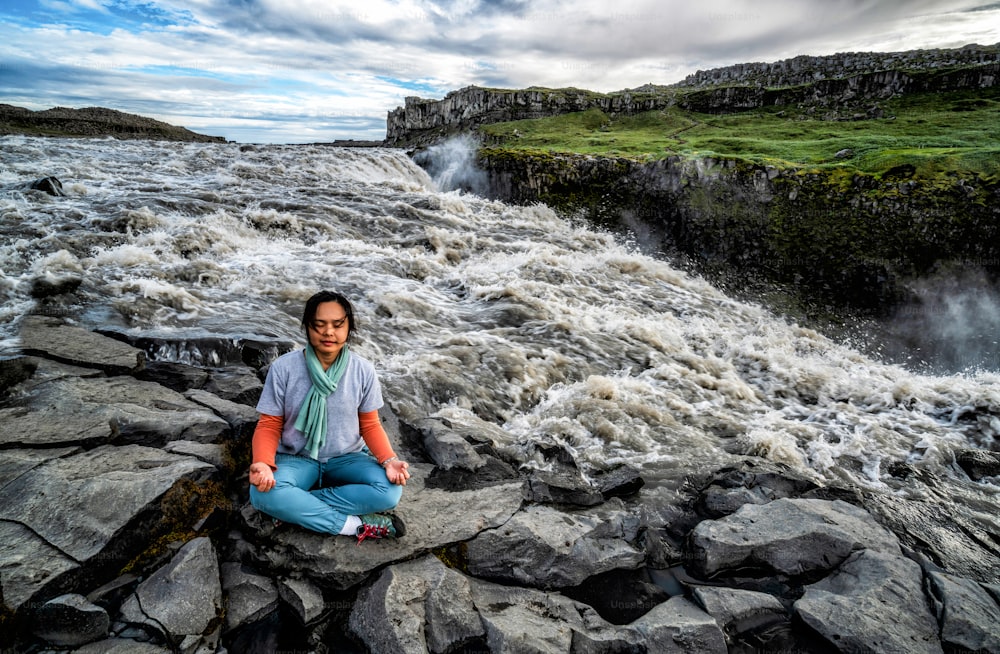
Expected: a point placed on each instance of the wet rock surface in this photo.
(124, 527)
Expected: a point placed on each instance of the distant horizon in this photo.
(317, 71)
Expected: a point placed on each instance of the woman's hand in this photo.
(262, 476)
(397, 471)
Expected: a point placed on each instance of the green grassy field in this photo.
(934, 133)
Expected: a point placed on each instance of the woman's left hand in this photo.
(397, 472)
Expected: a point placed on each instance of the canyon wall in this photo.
(851, 239)
(843, 86)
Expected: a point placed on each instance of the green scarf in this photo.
(312, 414)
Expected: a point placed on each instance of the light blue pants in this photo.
(320, 496)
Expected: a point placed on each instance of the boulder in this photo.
(620, 481)
(238, 384)
(181, 601)
(241, 418)
(873, 602)
(434, 518)
(71, 620)
(54, 339)
(305, 598)
(65, 511)
(749, 482)
(28, 563)
(561, 487)
(50, 185)
(447, 448)
(547, 548)
(418, 606)
(678, 625)
(968, 614)
(528, 620)
(178, 377)
(786, 537)
(249, 596)
(979, 463)
(93, 411)
(740, 612)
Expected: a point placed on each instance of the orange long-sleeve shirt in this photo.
(267, 435)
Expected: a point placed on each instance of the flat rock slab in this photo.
(434, 518)
(52, 338)
(529, 620)
(788, 537)
(71, 620)
(544, 547)
(419, 606)
(27, 564)
(969, 615)
(957, 539)
(93, 411)
(73, 506)
(183, 598)
(873, 603)
(741, 611)
(305, 598)
(249, 596)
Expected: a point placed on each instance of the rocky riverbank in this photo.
(125, 528)
(93, 122)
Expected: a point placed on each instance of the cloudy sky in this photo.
(294, 71)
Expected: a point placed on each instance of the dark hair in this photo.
(312, 304)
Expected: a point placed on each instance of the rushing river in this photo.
(471, 309)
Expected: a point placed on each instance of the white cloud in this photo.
(340, 66)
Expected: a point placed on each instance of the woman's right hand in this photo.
(261, 476)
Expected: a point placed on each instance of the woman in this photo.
(321, 458)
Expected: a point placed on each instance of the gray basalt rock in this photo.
(968, 614)
(787, 537)
(749, 482)
(178, 377)
(305, 598)
(434, 518)
(61, 513)
(241, 417)
(248, 596)
(54, 339)
(238, 384)
(182, 600)
(979, 463)
(527, 620)
(418, 606)
(92, 411)
(561, 487)
(957, 541)
(738, 611)
(447, 448)
(547, 548)
(71, 620)
(873, 602)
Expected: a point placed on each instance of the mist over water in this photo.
(531, 329)
(452, 165)
(952, 324)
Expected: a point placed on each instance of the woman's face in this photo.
(328, 331)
